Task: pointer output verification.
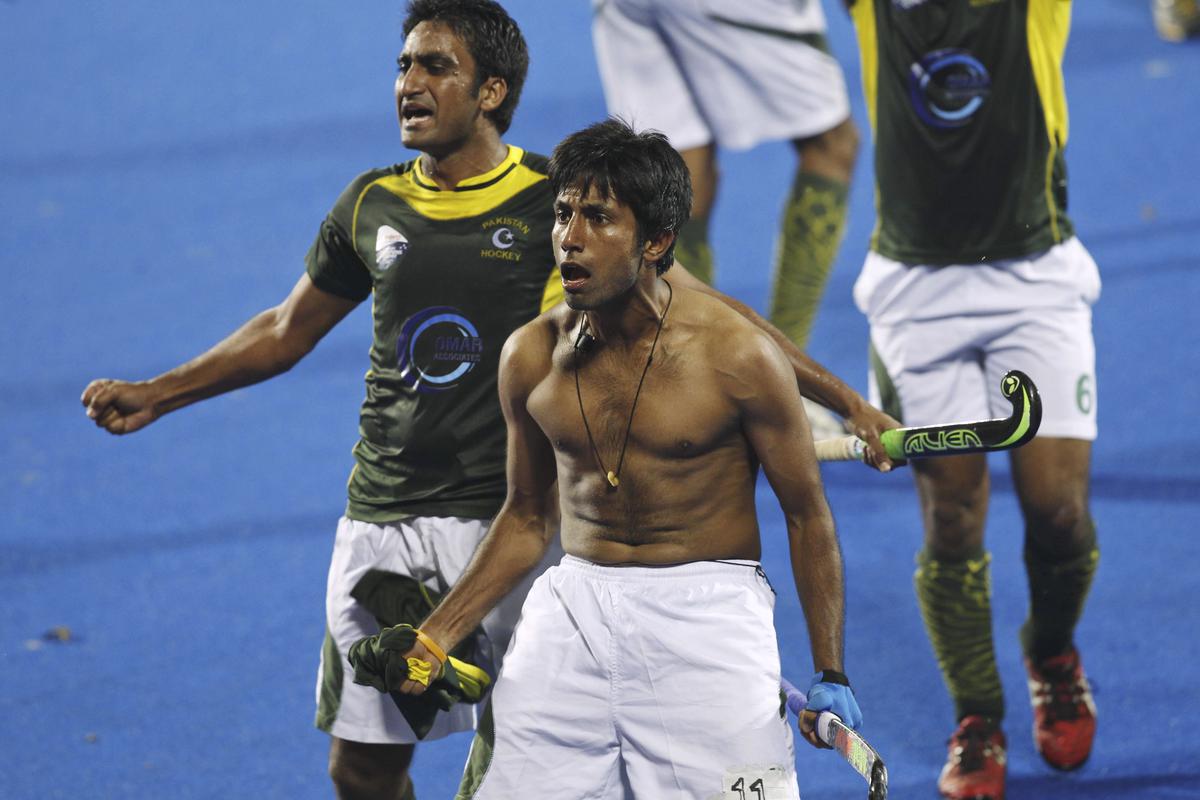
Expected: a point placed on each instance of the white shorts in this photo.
(435, 551)
(705, 70)
(945, 336)
(655, 683)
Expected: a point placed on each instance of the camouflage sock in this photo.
(1057, 591)
(693, 251)
(813, 222)
(955, 602)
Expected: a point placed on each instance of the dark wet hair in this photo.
(641, 170)
(491, 37)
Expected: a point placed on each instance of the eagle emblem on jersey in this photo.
(390, 247)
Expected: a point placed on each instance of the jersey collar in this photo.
(475, 182)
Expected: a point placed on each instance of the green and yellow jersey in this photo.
(969, 113)
(453, 273)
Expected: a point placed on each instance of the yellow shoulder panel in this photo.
(472, 197)
(862, 12)
(553, 294)
(1047, 27)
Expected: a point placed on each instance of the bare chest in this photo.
(593, 409)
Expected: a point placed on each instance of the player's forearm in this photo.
(817, 568)
(815, 382)
(819, 384)
(514, 546)
(260, 349)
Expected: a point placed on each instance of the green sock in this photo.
(1057, 591)
(955, 602)
(409, 793)
(693, 251)
(813, 222)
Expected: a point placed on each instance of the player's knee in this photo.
(844, 143)
(352, 781)
(955, 528)
(1060, 525)
(833, 152)
(368, 771)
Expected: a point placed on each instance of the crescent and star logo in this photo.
(504, 235)
(503, 238)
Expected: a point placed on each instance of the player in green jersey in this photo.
(974, 269)
(454, 249)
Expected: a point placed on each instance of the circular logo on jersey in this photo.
(503, 238)
(948, 87)
(436, 349)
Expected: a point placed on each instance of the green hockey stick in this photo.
(956, 438)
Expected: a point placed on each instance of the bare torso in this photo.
(686, 486)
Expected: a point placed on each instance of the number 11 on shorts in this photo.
(756, 782)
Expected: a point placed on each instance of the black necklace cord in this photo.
(614, 476)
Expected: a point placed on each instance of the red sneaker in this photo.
(1064, 714)
(975, 765)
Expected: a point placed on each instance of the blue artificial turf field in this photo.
(164, 167)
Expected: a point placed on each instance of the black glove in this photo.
(379, 661)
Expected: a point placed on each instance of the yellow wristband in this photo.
(431, 645)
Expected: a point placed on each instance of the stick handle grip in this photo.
(796, 702)
(845, 448)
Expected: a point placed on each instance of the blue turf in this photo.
(164, 167)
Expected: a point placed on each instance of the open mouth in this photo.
(573, 275)
(415, 114)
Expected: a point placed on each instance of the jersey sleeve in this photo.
(332, 262)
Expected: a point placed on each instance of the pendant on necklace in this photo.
(612, 479)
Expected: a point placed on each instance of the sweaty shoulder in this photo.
(737, 348)
(720, 324)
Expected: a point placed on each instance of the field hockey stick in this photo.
(846, 742)
(955, 438)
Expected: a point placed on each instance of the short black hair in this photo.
(642, 170)
(492, 38)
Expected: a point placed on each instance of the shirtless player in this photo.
(646, 663)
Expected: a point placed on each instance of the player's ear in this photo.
(492, 93)
(656, 246)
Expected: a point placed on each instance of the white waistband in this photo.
(730, 568)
